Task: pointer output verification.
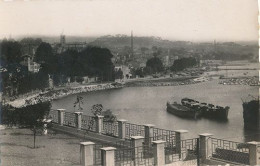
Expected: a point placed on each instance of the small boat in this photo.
(182, 111)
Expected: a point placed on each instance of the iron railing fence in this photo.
(167, 135)
(88, 123)
(97, 154)
(110, 128)
(229, 150)
(69, 119)
(134, 130)
(54, 115)
(184, 150)
(141, 156)
(124, 144)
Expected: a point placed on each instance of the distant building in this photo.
(126, 71)
(31, 65)
(62, 40)
(63, 46)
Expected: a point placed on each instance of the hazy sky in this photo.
(194, 20)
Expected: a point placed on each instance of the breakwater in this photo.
(163, 82)
(252, 81)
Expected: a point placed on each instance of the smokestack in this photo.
(132, 45)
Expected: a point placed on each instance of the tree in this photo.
(30, 116)
(10, 53)
(78, 103)
(44, 53)
(183, 63)
(155, 64)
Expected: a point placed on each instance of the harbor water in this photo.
(147, 105)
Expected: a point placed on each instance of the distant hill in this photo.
(124, 40)
(69, 39)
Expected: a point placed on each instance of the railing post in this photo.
(78, 116)
(108, 156)
(61, 113)
(137, 144)
(99, 122)
(148, 132)
(205, 146)
(87, 153)
(254, 153)
(159, 152)
(179, 136)
(121, 128)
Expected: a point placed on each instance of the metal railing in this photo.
(70, 119)
(132, 156)
(162, 134)
(54, 115)
(184, 150)
(88, 123)
(97, 154)
(229, 150)
(110, 128)
(134, 130)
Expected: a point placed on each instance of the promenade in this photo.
(123, 143)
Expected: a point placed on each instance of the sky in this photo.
(192, 20)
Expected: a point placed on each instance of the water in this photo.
(143, 105)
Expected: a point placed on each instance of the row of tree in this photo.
(155, 65)
(91, 62)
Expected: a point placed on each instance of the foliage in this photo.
(97, 109)
(109, 116)
(183, 63)
(10, 53)
(30, 116)
(78, 103)
(155, 64)
(44, 53)
(119, 74)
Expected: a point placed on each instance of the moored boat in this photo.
(251, 114)
(182, 111)
(193, 108)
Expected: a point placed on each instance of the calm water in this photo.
(144, 105)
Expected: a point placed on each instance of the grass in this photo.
(53, 149)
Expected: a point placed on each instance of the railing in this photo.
(162, 134)
(110, 128)
(134, 130)
(142, 156)
(184, 150)
(88, 123)
(97, 154)
(70, 119)
(229, 150)
(54, 115)
(124, 144)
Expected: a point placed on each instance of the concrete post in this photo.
(108, 156)
(179, 136)
(78, 116)
(87, 153)
(254, 153)
(121, 128)
(99, 122)
(148, 131)
(61, 113)
(137, 143)
(205, 146)
(159, 152)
